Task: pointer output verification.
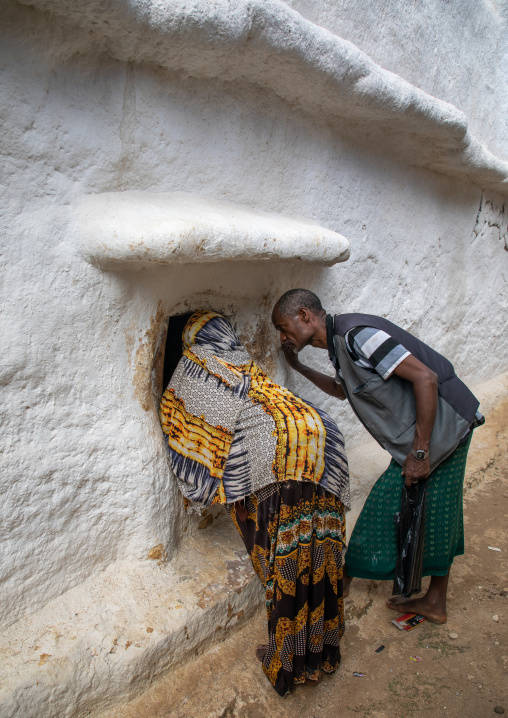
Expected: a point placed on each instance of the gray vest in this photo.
(387, 407)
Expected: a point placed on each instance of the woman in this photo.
(278, 464)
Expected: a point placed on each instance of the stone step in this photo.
(109, 637)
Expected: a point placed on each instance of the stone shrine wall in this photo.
(162, 98)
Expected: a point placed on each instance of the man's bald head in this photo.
(292, 301)
(299, 318)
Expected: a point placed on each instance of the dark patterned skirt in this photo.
(294, 533)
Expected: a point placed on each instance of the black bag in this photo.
(410, 523)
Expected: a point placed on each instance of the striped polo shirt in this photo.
(375, 349)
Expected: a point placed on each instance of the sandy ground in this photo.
(465, 676)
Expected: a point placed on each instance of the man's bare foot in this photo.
(260, 652)
(432, 612)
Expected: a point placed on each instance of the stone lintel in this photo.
(146, 229)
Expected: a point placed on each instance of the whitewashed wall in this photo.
(84, 480)
(456, 51)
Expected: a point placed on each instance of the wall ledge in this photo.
(110, 637)
(267, 44)
(142, 228)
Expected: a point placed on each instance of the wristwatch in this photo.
(420, 454)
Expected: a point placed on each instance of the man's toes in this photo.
(394, 602)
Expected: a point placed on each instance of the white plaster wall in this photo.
(455, 50)
(85, 481)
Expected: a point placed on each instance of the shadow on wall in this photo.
(173, 346)
(167, 354)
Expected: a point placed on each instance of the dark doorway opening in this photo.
(173, 349)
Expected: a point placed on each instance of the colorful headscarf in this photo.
(211, 330)
(231, 430)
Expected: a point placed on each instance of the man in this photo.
(410, 400)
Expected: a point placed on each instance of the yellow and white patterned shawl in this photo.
(231, 430)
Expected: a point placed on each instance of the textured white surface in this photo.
(456, 51)
(110, 636)
(179, 228)
(84, 482)
(266, 43)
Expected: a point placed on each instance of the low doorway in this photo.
(173, 348)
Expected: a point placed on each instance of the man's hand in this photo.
(414, 470)
(290, 355)
(322, 381)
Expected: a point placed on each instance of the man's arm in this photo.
(425, 383)
(322, 381)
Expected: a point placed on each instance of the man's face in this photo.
(296, 332)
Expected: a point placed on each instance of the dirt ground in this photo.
(463, 676)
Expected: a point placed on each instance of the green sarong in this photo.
(372, 550)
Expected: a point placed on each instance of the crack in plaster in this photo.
(127, 124)
(492, 216)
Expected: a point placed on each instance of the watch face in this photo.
(421, 455)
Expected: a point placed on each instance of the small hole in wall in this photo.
(173, 347)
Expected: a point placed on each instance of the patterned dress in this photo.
(233, 434)
(294, 534)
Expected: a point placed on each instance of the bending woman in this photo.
(278, 465)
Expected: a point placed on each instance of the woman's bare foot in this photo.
(433, 613)
(312, 683)
(260, 652)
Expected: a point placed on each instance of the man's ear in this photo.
(304, 315)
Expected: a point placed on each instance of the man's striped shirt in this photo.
(375, 349)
